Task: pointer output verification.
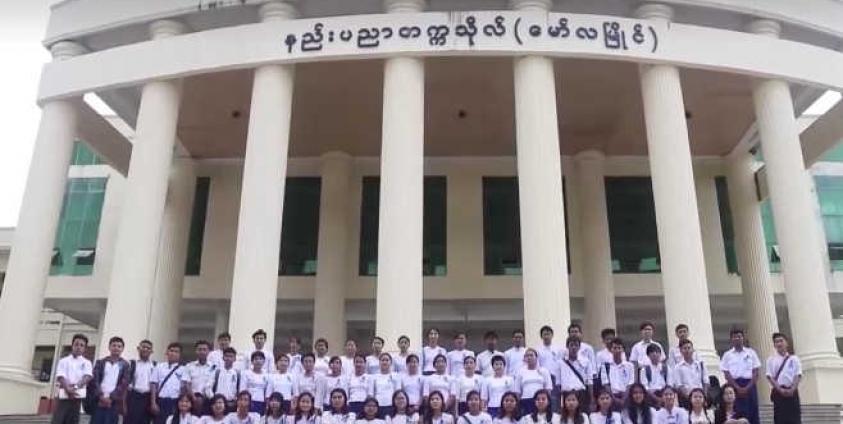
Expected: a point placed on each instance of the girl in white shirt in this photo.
(435, 411)
(399, 361)
(334, 380)
(282, 382)
(638, 410)
(495, 386)
(604, 414)
(529, 379)
(309, 381)
(183, 407)
(571, 410)
(699, 414)
(508, 413)
(321, 359)
(373, 362)
(412, 382)
(432, 351)
(474, 414)
(217, 405)
(671, 413)
(542, 413)
(305, 412)
(466, 383)
(275, 412)
(370, 412)
(243, 414)
(441, 382)
(359, 386)
(384, 385)
(255, 381)
(338, 412)
(402, 412)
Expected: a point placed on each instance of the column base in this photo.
(822, 379)
(19, 393)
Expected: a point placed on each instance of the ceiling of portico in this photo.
(468, 109)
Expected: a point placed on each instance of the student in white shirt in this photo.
(484, 358)
(435, 413)
(138, 397)
(275, 412)
(308, 381)
(508, 412)
(638, 354)
(784, 372)
(283, 382)
(431, 351)
(604, 356)
(259, 345)
(348, 358)
(412, 382)
(399, 360)
(198, 375)
(226, 380)
(295, 355)
(73, 373)
(305, 411)
(550, 357)
(674, 356)
(110, 377)
(457, 356)
(572, 411)
(575, 373)
(740, 366)
(337, 412)
(255, 381)
(216, 356)
(496, 386)
(515, 354)
(671, 412)
(243, 414)
(373, 362)
(699, 413)
(359, 385)
(166, 384)
(605, 414)
(321, 358)
(183, 413)
(655, 376)
(542, 413)
(586, 350)
(689, 373)
(638, 409)
(618, 375)
(384, 385)
(440, 382)
(218, 410)
(529, 380)
(466, 383)
(474, 413)
(334, 380)
(371, 410)
(402, 411)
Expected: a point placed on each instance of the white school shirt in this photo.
(347, 366)
(403, 419)
(707, 417)
(620, 376)
(74, 369)
(268, 363)
(740, 363)
(689, 375)
(639, 352)
(314, 419)
(384, 386)
(358, 387)
(481, 418)
(266, 419)
(660, 376)
(628, 420)
(494, 388)
(675, 356)
(456, 366)
(216, 358)
(143, 374)
(184, 419)
(791, 370)
(677, 415)
(329, 384)
(295, 363)
(570, 421)
(311, 384)
(429, 354)
(320, 365)
(599, 418)
(466, 384)
(251, 418)
(373, 364)
(445, 418)
(255, 383)
(365, 421)
(549, 359)
(569, 379)
(604, 356)
(514, 359)
(443, 383)
(528, 382)
(198, 375)
(541, 419)
(226, 380)
(484, 362)
(111, 371)
(506, 420)
(413, 385)
(172, 387)
(586, 351)
(399, 363)
(282, 383)
(329, 417)
(208, 419)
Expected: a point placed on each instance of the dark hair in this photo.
(681, 327)
(145, 341)
(370, 400)
(460, 333)
(428, 411)
(79, 336)
(490, 335)
(229, 350)
(296, 339)
(720, 412)
(403, 337)
(601, 392)
(633, 409)
(202, 342)
(519, 331)
(224, 335)
(175, 345)
(498, 358)
(116, 339)
(543, 329)
(394, 411)
(616, 341)
(259, 332)
(653, 348)
(378, 338)
(344, 409)
(467, 357)
(382, 354)
(214, 400)
(411, 356)
(516, 414)
(704, 395)
(563, 412)
(352, 341)
(334, 359)
(685, 342)
(257, 354)
(312, 411)
(280, 398)
(548, 413)
(176, 415)
(574, 325)
(308, 355)
(736, 330)
(572, 339)
(359, 355)
(473, 393)
(646, 324)
(321, 340)
(780, 335)
(436, 358)
(432, 329)
(244, 393)
(606, 332)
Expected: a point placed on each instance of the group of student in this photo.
(547, 384)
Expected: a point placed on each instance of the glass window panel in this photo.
(300, 226)
(83, 154)
(76, 236)
(830, 196)
(501, 226)
(770, 236)
(196, 236)
(726, 224)
(835, 154)
(632, 225)
(369, 210)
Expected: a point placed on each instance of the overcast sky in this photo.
(22, 26)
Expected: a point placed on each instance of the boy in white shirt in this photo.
(586, 350)
(784, 372)
(322, 360)
(689, 374)
(259, 341)
(515, 355)
(575, 373)
(484, 358)
(638, 354)
(456, 357)
(740, 366)
(348, 358)
(197, 375)
(110, 377)
(73, 373)
(618, 375)
(138, 396)
(675, 355)
(166, 384)
(216, 356)
(550, 358)
(226, 381)
(654, 377)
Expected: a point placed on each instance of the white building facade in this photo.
(328, 168)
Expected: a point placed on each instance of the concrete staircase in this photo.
(811, 414)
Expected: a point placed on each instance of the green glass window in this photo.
(835, 154)
(83, 155)
(76, 236)
(434, 227)
(726, 226)
(632, 225)
(300, 226)
(770, 236)
(830, 194)
(501, 226)
(197, 226)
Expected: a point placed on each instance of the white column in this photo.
(596, 255)
(804, 261)
(399, 297)
(128, 312)
(220, 322)
(711, 230)
(332, 258)
(677, 218)
(29, 263)
(544, 264)
(172, 256)
(758, 301)
(254, 291)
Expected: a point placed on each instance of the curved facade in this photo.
(457, 152)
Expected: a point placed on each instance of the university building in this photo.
(336, 168)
